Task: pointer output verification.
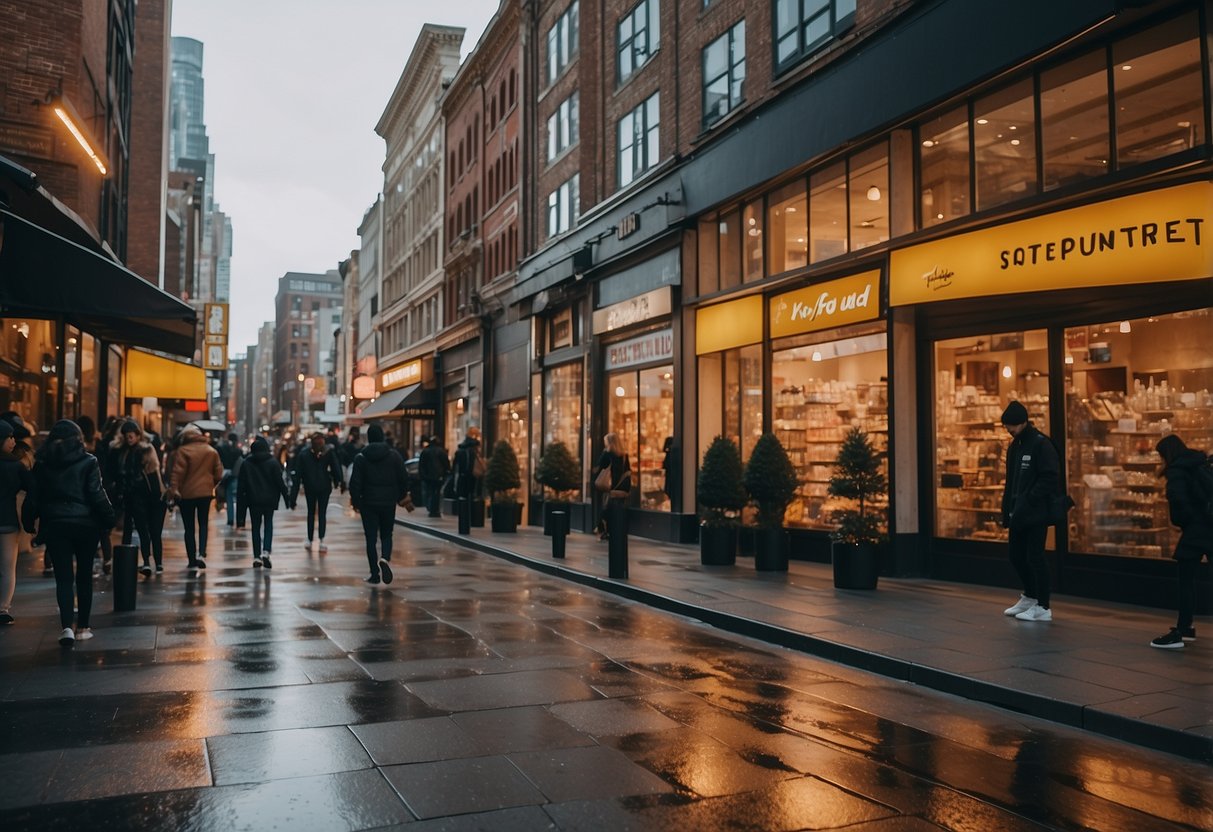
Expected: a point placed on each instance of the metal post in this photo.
(124, 576)
(560, 528)
(463, 508)
(617, 539)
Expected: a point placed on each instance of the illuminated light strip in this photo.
(66, 118)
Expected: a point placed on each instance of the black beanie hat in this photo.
(259, 444)
(131, 426)
(65, 429)
(1015, 414)
(6, 430)
(374, 434)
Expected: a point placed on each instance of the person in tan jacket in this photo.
(196, 472)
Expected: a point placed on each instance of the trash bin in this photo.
(125, 579)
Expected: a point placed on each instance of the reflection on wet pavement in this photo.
(479, 690)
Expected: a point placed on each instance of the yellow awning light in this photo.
(150, 375)
(67, 114)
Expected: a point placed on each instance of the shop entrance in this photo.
(641, 411)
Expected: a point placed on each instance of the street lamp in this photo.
(302, 404)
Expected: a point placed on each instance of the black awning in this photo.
(413, 402)
(44, 275)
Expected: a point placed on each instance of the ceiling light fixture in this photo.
(874, 194)
(75, 125)
(1126, 327)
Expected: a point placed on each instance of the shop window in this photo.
(1074, 120)
(730, 250)
(510, 426)
(89, 380)
(730, 397)
(975, 379)
(868, 192)
(788, 228)
(1004, 142)
(641, 411)
(562, 404)
(639, 140)
(1159, 93)
(113, 400)
(562, 42)
(29, 379)
(724, 74)
(828, 213)
(709, 262)
(803, 26)
(821, 390)
(1128, 383)
(751, 242)
(639, 34)
(944, 163)
(71, 373)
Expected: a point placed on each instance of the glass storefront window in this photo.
(730, 397)
(868, 192)
(730, 250)
(975, 379)
(641, 411)
(752, 241)
(944, 155)
(828, 213)
(458, 420)
(88, 377)
(1074, 120)
(562, 397)
(29, 381)
(821, 390)
(1127, 384)
(788, 228)
(1004, 142)
(510, 427)
(113, 396)
(1159, 92)
(71, 373)
(709, 269)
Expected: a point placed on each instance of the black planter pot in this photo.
(717, 545)
(505, 517)
(747, 541)
(548, 508)
(771, 550)
(856, 566)
(477, 507)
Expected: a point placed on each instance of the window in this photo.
(562, 42)
(563, 206)
(944, 149)
(828, 213)
(1004, 143)
(868, 191)
(724, 74)
(638, 140)
(803, 25)
(752, 242)
(787, 228)
(639, 35)
(1074, 120)
(562, 127)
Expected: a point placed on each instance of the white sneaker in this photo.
(1036, 613)
(84, 634)
(67, 638)
(323, 548)
(1024, 603)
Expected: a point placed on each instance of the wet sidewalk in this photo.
(1090, 668)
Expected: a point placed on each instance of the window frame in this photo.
(644, 19)
(640, 140)
(562, 42)
(731, 65)
(838, 24)
(563, 127)
(563, 206)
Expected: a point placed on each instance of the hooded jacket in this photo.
(260, 483)
(315, 473)
(432, 463)
(466, 454)
(133, 472)
(196, 467)
(67, 489)
(1186, 502)
(379, 477)
(1033, 477)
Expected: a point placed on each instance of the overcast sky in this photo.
(294, 89)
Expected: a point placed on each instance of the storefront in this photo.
(509, 418)
(462, 391)
(407, 405)
(1098, 319)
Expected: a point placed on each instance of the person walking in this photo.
(108, 434)
(1033, 478)
(15, 479)
(348, 450)
(433, 467)
(69, 509)
(259, 487)
(229, 454)
(139, 489)
(613, 478)
(469, 465)
(1190, 500)
(317, 471)
(377, 484)
(25, 455)
(196, 472)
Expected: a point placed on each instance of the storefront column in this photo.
(909, 548)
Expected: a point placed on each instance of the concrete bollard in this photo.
(463, 507)
(124, 581)
(617, 539)
(560, 529)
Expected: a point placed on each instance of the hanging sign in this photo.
(644, 307)
(643, 349)
(848, 300)
(400, 376)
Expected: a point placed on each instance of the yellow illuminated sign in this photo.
(1151, 237)
(848, 300)
(150, 375)
(215, 316)
(727, 325)
(400, 376)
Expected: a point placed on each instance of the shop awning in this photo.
(414, 402)
(163, 378)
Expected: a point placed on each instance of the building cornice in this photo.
(421, 60)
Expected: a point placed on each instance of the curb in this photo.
(1088, 718)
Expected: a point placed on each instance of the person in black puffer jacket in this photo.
(69, 509)
(15, 478)
(316, 470)
(1187, 473)
(379, 481)
(259, 487)
(134, 477)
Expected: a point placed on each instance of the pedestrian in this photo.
(196, 472)
(378, 483)
(317, 471)
(433, 467)
(15, 479)
(25, 455)
(1190, 500)
(239, 513)
(108, 434)
(259, 487)
(139, 489)
(69, 509)
(613, 478)
(1033, 478)
(348, 450)
(229, 453)
(468, 465)
(669, 469)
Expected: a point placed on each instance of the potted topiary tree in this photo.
(856, 547)
(721, 499)
(771, 482)
(502, 479)
(557, 471)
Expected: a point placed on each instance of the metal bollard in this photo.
(560, 528)
(124, 579)
(463, 508)
(617, 539)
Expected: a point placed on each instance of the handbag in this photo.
(602, 482)
(478, 466)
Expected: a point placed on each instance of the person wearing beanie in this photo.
(259, 487)
(1190, 501)
(137, 487)
(15, 479)
(195, 473)
(378, 482)
(68, 508)
(316, 470)
(1033, 478)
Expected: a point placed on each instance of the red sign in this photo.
(195, 406)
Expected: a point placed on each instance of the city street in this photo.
(475, 693)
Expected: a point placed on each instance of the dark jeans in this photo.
(262, 517)
(231, 501)
(317, 504)
(1027, 551)
(66, 543)
(198, 508)
(378, 522)
(431, 491)
(146, 516)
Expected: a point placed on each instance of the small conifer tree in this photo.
(770, 480)
(557, 469)
(721, 496)
(857, 476)
(501, 476)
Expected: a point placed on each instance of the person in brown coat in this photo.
(197, 470)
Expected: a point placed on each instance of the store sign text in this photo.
(1100, 241)
(644, 307)
(838, 302)
(409, 373)
(654, 346)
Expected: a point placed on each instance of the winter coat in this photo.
(621, 474)
(347, 451)
(378, 478)
(196, 468)
(1188, 506)
(433, 465)
(466, 481)
(260, 483)
(67, 490)
(317, 474)
(228, 454)
(1033, 478)
(14, 477)
(133, 473)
